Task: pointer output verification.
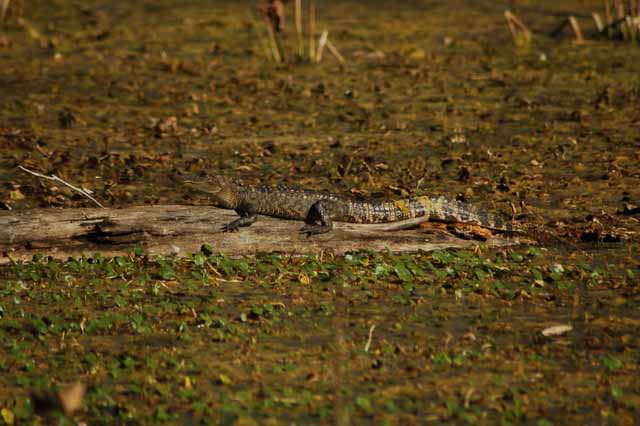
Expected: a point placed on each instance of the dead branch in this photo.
(55, 178)
(173, 229)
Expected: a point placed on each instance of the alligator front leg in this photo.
(246, 218)
(318, 220)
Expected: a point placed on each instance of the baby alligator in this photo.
(318, 209)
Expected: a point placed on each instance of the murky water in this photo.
(434, 99)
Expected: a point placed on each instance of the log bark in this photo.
(176, 229)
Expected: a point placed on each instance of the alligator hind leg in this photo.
(317, 221)
(246, 218)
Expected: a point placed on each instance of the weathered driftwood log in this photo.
(173, 229)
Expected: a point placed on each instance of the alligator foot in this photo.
(245, 220)
(314, 229)
(317, 221)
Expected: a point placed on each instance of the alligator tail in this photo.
(442, 209)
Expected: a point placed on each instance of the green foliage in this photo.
(612, 363)
(290, 320)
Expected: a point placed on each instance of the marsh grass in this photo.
(621, 20)
(272, 33)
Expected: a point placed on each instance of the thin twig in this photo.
(368, 344)
(334, 52)
(57, 179)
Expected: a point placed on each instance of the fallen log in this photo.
(177, 229)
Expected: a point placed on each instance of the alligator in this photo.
(318, 209)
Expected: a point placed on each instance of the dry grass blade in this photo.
(598, 22)
(298, 13)
(272, 13)
(273, 16)
(633, 27)
(367, 346)
(607, 12)
(274, 45)
(619, 7)
(575, 26)
(557, 330)
(321, 43)
(334, 51)
(519, 31)
(4, 8)
(312, 30)
(264, 40)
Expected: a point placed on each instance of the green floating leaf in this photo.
(516, 257)
(452, 405)
(199, 259)
(138, 250)
(616, 391)
(167, 272)
(223, 379)
(401, 270)
(382, 269)
(534, 251)
(161, 414)
(364, 403)
(611, 363)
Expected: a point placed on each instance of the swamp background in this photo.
(434, 98)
